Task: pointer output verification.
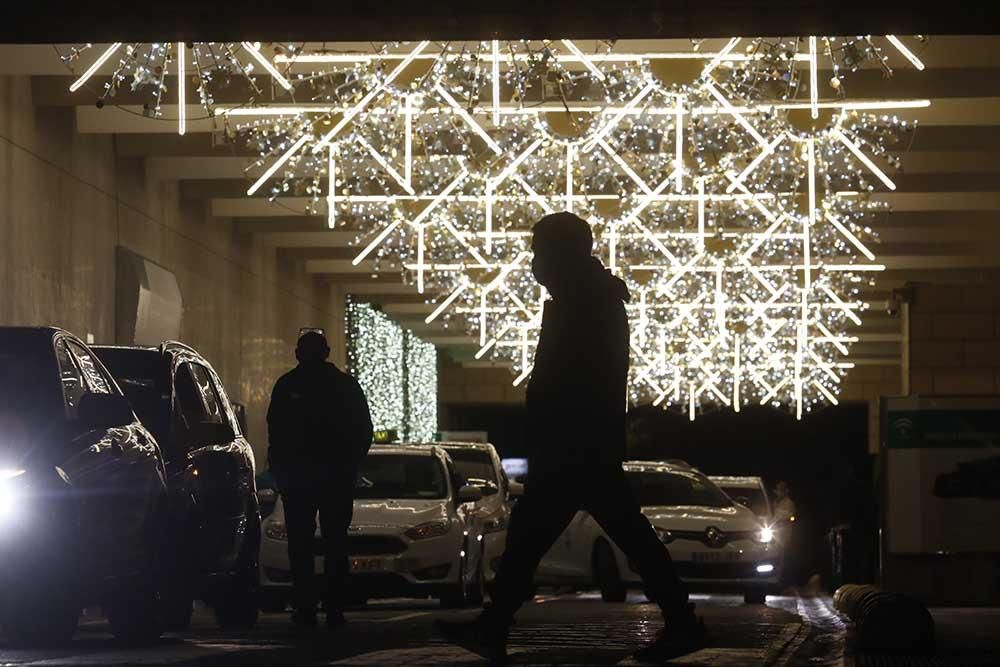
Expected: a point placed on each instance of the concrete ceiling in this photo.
(944, 226)
(390, 20)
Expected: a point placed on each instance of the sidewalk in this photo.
(966, 637)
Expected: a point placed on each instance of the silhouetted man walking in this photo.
(320, 429)
(576, 403)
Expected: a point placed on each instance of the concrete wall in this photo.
(954, 350)
(955, 338)
(476, 385)
(66, 201)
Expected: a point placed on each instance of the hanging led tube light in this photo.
(254, 51)
(909, 55)
(292, 150)
(181, 89)
(103, 58)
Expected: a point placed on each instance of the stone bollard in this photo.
(886, 622)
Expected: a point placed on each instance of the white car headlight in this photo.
(765, 535)
(429, 529)
(10, 495)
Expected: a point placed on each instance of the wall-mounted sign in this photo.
(942, 474)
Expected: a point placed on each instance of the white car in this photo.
(714, 542)
(479, 465)
(411, 536)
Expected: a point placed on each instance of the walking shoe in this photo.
(335, 620)
(484, 636)
(675, 640)
(304, 618)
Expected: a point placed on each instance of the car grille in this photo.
(716, 570)
(366, 545)
(700, 536)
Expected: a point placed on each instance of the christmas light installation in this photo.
(159, 67)
(773, 65)
(375, 358)
(716, 203)
(397, 371)
(421, 389)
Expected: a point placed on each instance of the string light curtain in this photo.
(396, 370)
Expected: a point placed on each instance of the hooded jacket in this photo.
(576, 398)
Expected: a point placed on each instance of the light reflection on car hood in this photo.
(382, 515)
(700, 518)
(375, 514)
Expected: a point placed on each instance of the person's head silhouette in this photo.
(312, 348)
(562, 243)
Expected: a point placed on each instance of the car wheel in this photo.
(606, 574)
(272, 603)
(477, 592)
(177, 611)
(36, 620)
(236, 602)
(755, 596)
(236, 607)
(134, 613)
(458, 596)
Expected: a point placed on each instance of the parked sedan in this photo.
(714, 542)
(411, 535)
(479, 464)
(214, 535)
(82, 493)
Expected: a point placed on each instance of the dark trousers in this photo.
(550, 501)
(335, 509)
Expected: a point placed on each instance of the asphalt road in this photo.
(570, 629)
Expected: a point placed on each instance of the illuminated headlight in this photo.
(427, 530)
(10, 495)
(765, 535)
(277, 530)
(765, 568)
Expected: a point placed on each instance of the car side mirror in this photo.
(515, 489)
(470, 494)
(488, 487)
(204, 434)
(102, 411)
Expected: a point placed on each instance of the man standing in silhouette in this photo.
(320, 429)
(576, 403)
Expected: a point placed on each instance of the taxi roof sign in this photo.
(385, 436)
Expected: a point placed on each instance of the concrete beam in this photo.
(191, 168)
(324, 239)
(341, 266)
(170, 144)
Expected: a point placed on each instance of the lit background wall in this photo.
(67, 199)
